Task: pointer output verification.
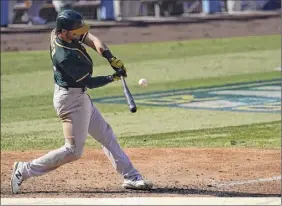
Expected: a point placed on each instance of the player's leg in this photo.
(100, 130)
(75, 111)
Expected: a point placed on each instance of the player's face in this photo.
(71, 36)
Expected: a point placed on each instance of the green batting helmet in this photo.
(72, 21)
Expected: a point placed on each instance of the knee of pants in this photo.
(74, 153)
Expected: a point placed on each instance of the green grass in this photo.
(158, 72)
(41, 106)
(27, 89)
(261, 135)
(136, 53)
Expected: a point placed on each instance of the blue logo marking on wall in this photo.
(263, 96)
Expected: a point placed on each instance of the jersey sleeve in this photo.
(75, 68)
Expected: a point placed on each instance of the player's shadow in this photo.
(163, 190)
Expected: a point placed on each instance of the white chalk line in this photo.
(245, 182)
(144, 201)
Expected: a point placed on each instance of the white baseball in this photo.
(143, 82)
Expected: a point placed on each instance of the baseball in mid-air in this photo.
(143, 82)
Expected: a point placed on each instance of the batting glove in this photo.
(117, 65)
(116, 76)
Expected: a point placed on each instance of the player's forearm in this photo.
(96, 44)
(100, 46)
(95, 82)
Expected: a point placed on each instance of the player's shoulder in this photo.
(63, 53)
(53, 33)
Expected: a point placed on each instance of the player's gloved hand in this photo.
(117, 65)
(116, 76)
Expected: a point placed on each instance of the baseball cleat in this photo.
(17, 177)
(138, 183)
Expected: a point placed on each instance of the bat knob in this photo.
(133, 109)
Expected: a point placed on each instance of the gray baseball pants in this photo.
(80, 117)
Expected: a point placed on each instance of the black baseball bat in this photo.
(128, 96)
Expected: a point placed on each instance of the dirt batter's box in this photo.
(259, 96)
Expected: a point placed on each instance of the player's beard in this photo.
(73, 38)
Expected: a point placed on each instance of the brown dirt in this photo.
(175, 172)
(118, 35)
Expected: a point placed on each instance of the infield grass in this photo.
(260, 135)
(28, 120)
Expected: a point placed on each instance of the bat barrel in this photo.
(132, 108)
(128, 96)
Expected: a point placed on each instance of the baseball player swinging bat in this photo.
(128, 96)
(73, 69)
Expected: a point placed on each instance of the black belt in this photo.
(69, 88)
(82, 89)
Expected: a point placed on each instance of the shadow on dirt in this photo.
(216, 193)
(165, 190)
